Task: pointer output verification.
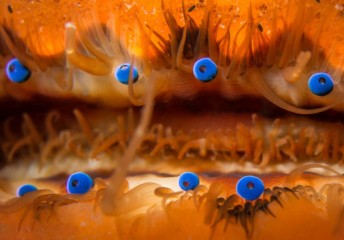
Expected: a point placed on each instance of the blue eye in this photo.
(79, 183)
(17, 72)
(205, 69)
(250, 188)
(123, 71)
(320, 84)
(188, 181)
(23, 189)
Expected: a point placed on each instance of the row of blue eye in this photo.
(77, 183)
(248, 187)
(204, 69)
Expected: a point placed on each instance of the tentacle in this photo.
(108, 202)
(295, 174)
(255, 78)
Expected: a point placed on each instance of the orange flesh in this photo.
(141, 29)
(180, 217)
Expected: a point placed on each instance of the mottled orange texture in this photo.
(273, 41)
(45, 35)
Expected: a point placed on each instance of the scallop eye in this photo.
(24, 189)
(205, 69)
(79, 183)
(17, 72)
(123, 71)
(320, 84)
(188, 181)
(250, 187)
